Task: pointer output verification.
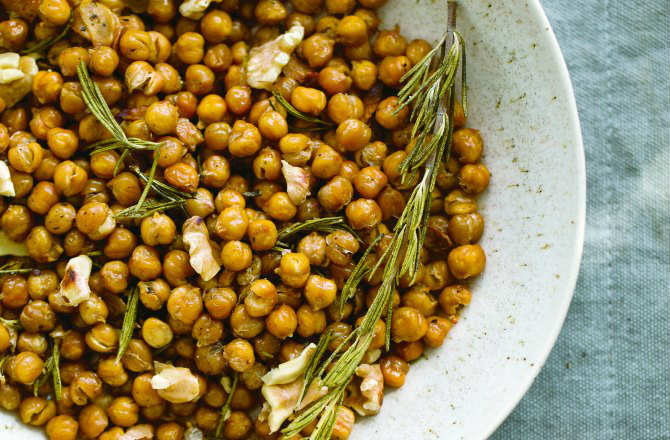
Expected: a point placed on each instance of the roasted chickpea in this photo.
(363, 213)
(236, 255)
(474, 178)
(14, 33)
(408, 325)
(145, 263)
(216, 26)
(389, 116)
(16, 222)
(25, 157)
(123, 411)
(102, 338)
(239, 354)
(120, 243)
(280, 207)
(112, 372)
(47, 86)
(37, 316)
(161, 117)
(270, 12)
(245, 139)
(261, 299)
(62, 427)
(238, 99)
(282, 322)
(138, 357)
(438, 328)
(25, 367)
(185, 304)
(335, 194)
(43, 196)
(344, 106)
(392, 69)
(352, 30)
(466, 228)
(394, 370)
(262, 234)
(466, 261)
(308, 100)
(42, 246)
(294, 269)
(199, 79)
(156, 333)
(320, 292)
(36, 411)
(182, 176)
(93, 421)
(317, 50)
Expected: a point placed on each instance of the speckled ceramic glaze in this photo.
(521, 99)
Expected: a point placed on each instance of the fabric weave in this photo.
(608, 375)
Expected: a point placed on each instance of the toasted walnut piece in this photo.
(196, 239)
(193, 433)
(367, 395)
(175, 384)
(297, 182)
(74, 288)
(97, 23)
(16, 77)
(195, 9)
(6, 185)
(139, 432)
(267, 60)
(291, 370)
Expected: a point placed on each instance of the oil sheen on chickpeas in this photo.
(176, 75)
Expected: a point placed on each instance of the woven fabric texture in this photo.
(607, 377)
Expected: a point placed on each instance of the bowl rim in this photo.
(537, 12)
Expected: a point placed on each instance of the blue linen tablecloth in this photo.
(607, 377)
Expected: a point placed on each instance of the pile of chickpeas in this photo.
(182, 82)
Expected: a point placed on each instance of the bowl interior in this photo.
(521, 99)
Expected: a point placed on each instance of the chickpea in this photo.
(408, 325)
(308, 100)
(170, 431)
(36, 411)
(307, 6)
(317, 50)
(41, 245)
(46, 86)
(473, 178)
(335, 194)
(158, 229)
(211, 110)
(282, 322)
(183, 176)
(262, 234)
(238, 99)
(219, 302)
(185, 304)
(310, 322)
(245, 139)
(237, 426)
(161, 117)
(352, 135)
(320, 292)
(14, 33)
(93, 421)
(25, 157)
(123, 411)
(334, 80)
(62, 427)
(272, 125)
(215, 171)
(457, 202)
(239, 354)
(261, 299)
(69, 178)
(389, 43)
(37, 316)
(466, 261)
(270, 12)
(43, 196)
(145, 263)
(438, 328)
(120, 243)
(156, 333)
(199, 79)
(216, 26)
(102, 338)
(136, 45)
(394, 370)
(392, 69)
(112, 372)
(389, 116)
(466, 228)
(25, 367)
(294, 269)
(63, 143)
(363, 74)
(236, 255)
(138, 357)
(352, 30)
(363, 213)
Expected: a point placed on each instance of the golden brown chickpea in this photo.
(43, 196)
(363, 213)
(270, 12)
(267, 164)
(136, 45)
(14, 33)
(63, 143)
(41, 245)
(103, 338)
(320, 292)
(190, 47)
(93, 421)
(307, 6)
(170, 431)
(176, 267)
(185, 304)
(156, 333)
(280, 207)
(123, 411)
(115, 276)
(388, 115)
(314, 246)
(339, 7)
(157, 229)
(458, 202)
(262, 234)
(153, 294)
(392, 69)
(408, 325)
(216, 26)
(138, 357)
(317, 50)
(370, 181)
(145, 263)
(389, 43)
(37, 317)
(95, 219)
(120, 243)
(211, 110)
(261, 299)
(114, 433)
(236, 255)
(15, 119)
(229, 197)
(438, 328)
(282, 322)
(85, 387)
(93, 310)
(352, 135)
(72, 345)
(62, 427)
(183, 176)
(44, 119)
(294, 269)
(308, 100)
(245, 139)
(239, 354)
(336, 194)
(112, 372)
(333, 80)
(125, 188)
(36, 411)
(419, 298)
(161, 117)
(25, 157)
(199, 79)
(237, 426)
(272, 125)
(218, 58)
(162, 11)
(474, 178)
(70, 99)
(352, 31)
(344, 106)
(102, 164)
(394, 370)
(416, 50)
(32, 342)
(306, 21)
(219, 302)
(468, 145)
(310, 322)
(466, 228)
(47, 86)
(238, 99)
(76, 243)
(232, 223)
(16, 222)
(42, 283)
(466, 261)
(215, 171)
(103, 60)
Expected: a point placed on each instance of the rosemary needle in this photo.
(225, 409)
(45, 44)
(324, 224)
(298, 114)
(129, 320)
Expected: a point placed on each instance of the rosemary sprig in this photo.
(163, 189)
(361, 270)
(325, 224)
(427, 86)
(149, 207)
(51, 369)
(324, 125)
(45, 44)
(129, 320)
(225, 409)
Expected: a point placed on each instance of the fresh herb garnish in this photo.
(225, 409)
(129, 320)
(45, 44)
(325, 224)
(324, 125)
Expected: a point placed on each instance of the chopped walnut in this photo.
(74, 288)
(297, 182)
(367, 392)
(196, 239)
(16, 77)
(6, 185)
(194, 9)
(267, 60)
(193, 433)
(97, 23)
(175, 384)
(139, 432)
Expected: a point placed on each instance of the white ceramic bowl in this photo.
(522, 101)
